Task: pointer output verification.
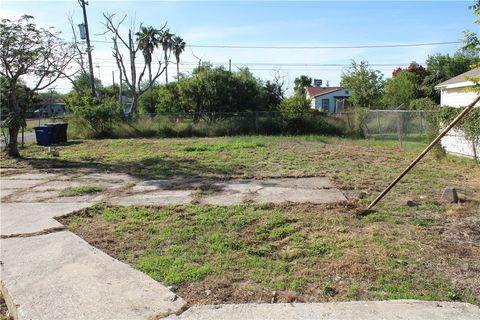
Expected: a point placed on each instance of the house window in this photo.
(325, 105)
(346, 91)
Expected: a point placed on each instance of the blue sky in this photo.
(271, 23)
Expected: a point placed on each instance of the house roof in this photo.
(460, 79)
(320, 91)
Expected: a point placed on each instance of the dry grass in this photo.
(302, 252)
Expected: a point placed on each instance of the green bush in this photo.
(93, 117)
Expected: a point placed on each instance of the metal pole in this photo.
(84, 3)
(424, 152)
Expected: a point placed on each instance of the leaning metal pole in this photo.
(424, 152)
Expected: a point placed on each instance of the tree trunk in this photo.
(151, 87)
(166, 66)
(14, 126)
(12, 142)
(134, 104)
(178, 72)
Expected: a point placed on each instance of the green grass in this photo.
(310, 253)
(80, 191)
(289, 248)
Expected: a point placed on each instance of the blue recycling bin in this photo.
(43, 134)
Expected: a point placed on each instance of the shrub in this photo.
(93, 117)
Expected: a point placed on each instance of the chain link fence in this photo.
(402, 125)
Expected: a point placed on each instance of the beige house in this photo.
(454, 93)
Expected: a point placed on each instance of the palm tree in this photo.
(178, 47)
(148, 40)
(165, 39)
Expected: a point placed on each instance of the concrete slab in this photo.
(60, 185)
(149, 185)
(304, 183)
(41, 196)
(108, 177)
(224, 199)
(60, 276)
(156, 198)
(310, 189)
(28, 218)
(280, 194)
(33, 176)
(361, 310)
(7, 192)
(19, 184)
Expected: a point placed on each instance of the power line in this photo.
(327, 47)
(378, 5)
(294, 64)
(315, 47)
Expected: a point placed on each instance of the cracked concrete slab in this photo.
(34, 196)
(156, 198)
(28, 218)
(19, 184)
(60, 276)
(303, 183)
(33, 176)
(280, 194)
(7, 192)
(224, 199)
(357, 310)
(300, 190)
(108, 177)
(60, 185)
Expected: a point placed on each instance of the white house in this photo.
(453, 93)
(328, 99)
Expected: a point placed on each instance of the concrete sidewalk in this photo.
(358, 310)
(50, 273)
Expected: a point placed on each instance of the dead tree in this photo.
(128, 65)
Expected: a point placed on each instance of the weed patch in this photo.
(80, 191)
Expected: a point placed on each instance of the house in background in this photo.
(328, 99)
(453, 93)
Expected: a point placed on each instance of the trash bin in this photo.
(63, 131)
(43, 134)
(59, 132)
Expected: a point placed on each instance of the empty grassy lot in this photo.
(291, 252)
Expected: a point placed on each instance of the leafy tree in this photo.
(295, 106)
(400, 90)
(364, 83)
(96, 114)
(405, 85)
(171, 98)
(148, 40)
(166, 39)
(36, 52)
(472, 42)
(178, 47)
(442, 67)
(213, 90)
(300, 83)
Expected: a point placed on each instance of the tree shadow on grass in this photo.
(153, 168)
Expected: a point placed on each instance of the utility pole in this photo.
(230, 65)
(84, 3)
